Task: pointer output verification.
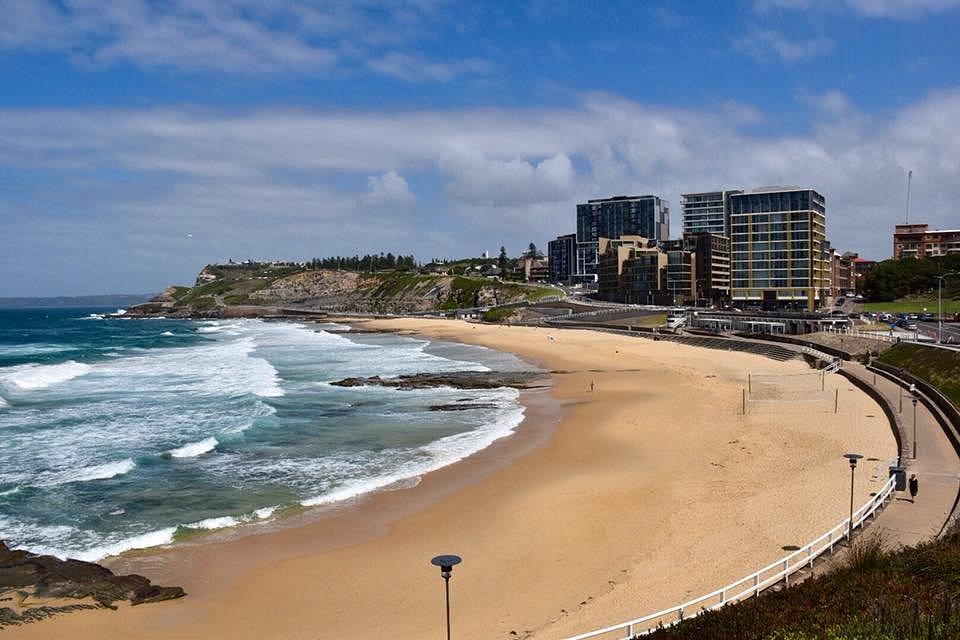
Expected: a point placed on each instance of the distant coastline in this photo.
(75, 302)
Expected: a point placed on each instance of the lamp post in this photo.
(940, 280)
(914, 427)
(852, 457)
(446, 564)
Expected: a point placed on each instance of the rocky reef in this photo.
(455, 379)
(34, 587)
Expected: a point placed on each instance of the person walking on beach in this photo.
(914, 485)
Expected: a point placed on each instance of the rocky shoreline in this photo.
(34, 587)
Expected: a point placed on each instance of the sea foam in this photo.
(194, 449)
(33, 377)
(101, 471)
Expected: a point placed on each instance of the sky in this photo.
(141, 140)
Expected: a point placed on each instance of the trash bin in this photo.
(900, 473)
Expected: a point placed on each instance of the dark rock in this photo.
(455, 379)
(462, 407)
(52, 577)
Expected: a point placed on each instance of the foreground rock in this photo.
(456, 380)
(26, 577)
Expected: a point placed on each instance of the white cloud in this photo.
(763, 43)
(235, 36)
(513, 182)
(899, 9)
(388, 189)
(277, 183)
(410, 68)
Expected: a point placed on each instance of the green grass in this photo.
(913, 306)
(497, 315)
(939, 367)
(653, 320)
(910, 594)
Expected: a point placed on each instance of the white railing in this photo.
(750, 585)
(833, 363)
(881, 335)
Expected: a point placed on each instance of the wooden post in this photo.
(836, 399)
(750, 382)
(744, 401)
(822, 380)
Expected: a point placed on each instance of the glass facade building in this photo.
(777, 256)
(646, 216)
(707, 212)
(562, 254)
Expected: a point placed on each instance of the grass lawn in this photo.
(939, 367)
(913, 306)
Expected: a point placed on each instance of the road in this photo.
(951, 331)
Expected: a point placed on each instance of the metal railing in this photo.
(751, 585)
(833, 363)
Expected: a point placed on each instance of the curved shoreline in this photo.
(619, 506)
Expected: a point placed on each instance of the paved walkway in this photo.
(936, 465)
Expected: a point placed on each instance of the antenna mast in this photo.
(909, 180)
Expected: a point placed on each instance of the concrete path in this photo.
(936, 465)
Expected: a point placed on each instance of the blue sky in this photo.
(140, 140)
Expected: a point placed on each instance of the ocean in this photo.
(120, 434)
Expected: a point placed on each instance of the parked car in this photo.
(854, 316)
(926, 317)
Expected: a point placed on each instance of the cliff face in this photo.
(230, 289)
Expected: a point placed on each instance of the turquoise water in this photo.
(118, 434)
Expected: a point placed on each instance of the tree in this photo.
(503, 261)
(532, 250)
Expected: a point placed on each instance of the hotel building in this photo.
(919, 241)
(707, 212)
(646, 216)
(777, 257)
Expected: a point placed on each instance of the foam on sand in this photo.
(194, 449)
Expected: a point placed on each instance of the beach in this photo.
(634, 483)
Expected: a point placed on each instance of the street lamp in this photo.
(940, 280)
(914, 427)
(446, 564)
(852, 457)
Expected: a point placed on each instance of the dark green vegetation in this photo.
(369, 262)
(498, 315)
(910, 277)
(912, 594)
(939, 367)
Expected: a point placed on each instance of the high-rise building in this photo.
(919, 241)
(712, 253)
(562, 257)
(707, 212)
(646, 216)
(777, 236)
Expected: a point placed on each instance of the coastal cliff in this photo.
(262, 289)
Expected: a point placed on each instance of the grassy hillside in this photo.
(918, 305)
(939, 367)
(912, 594)
(391, 291)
